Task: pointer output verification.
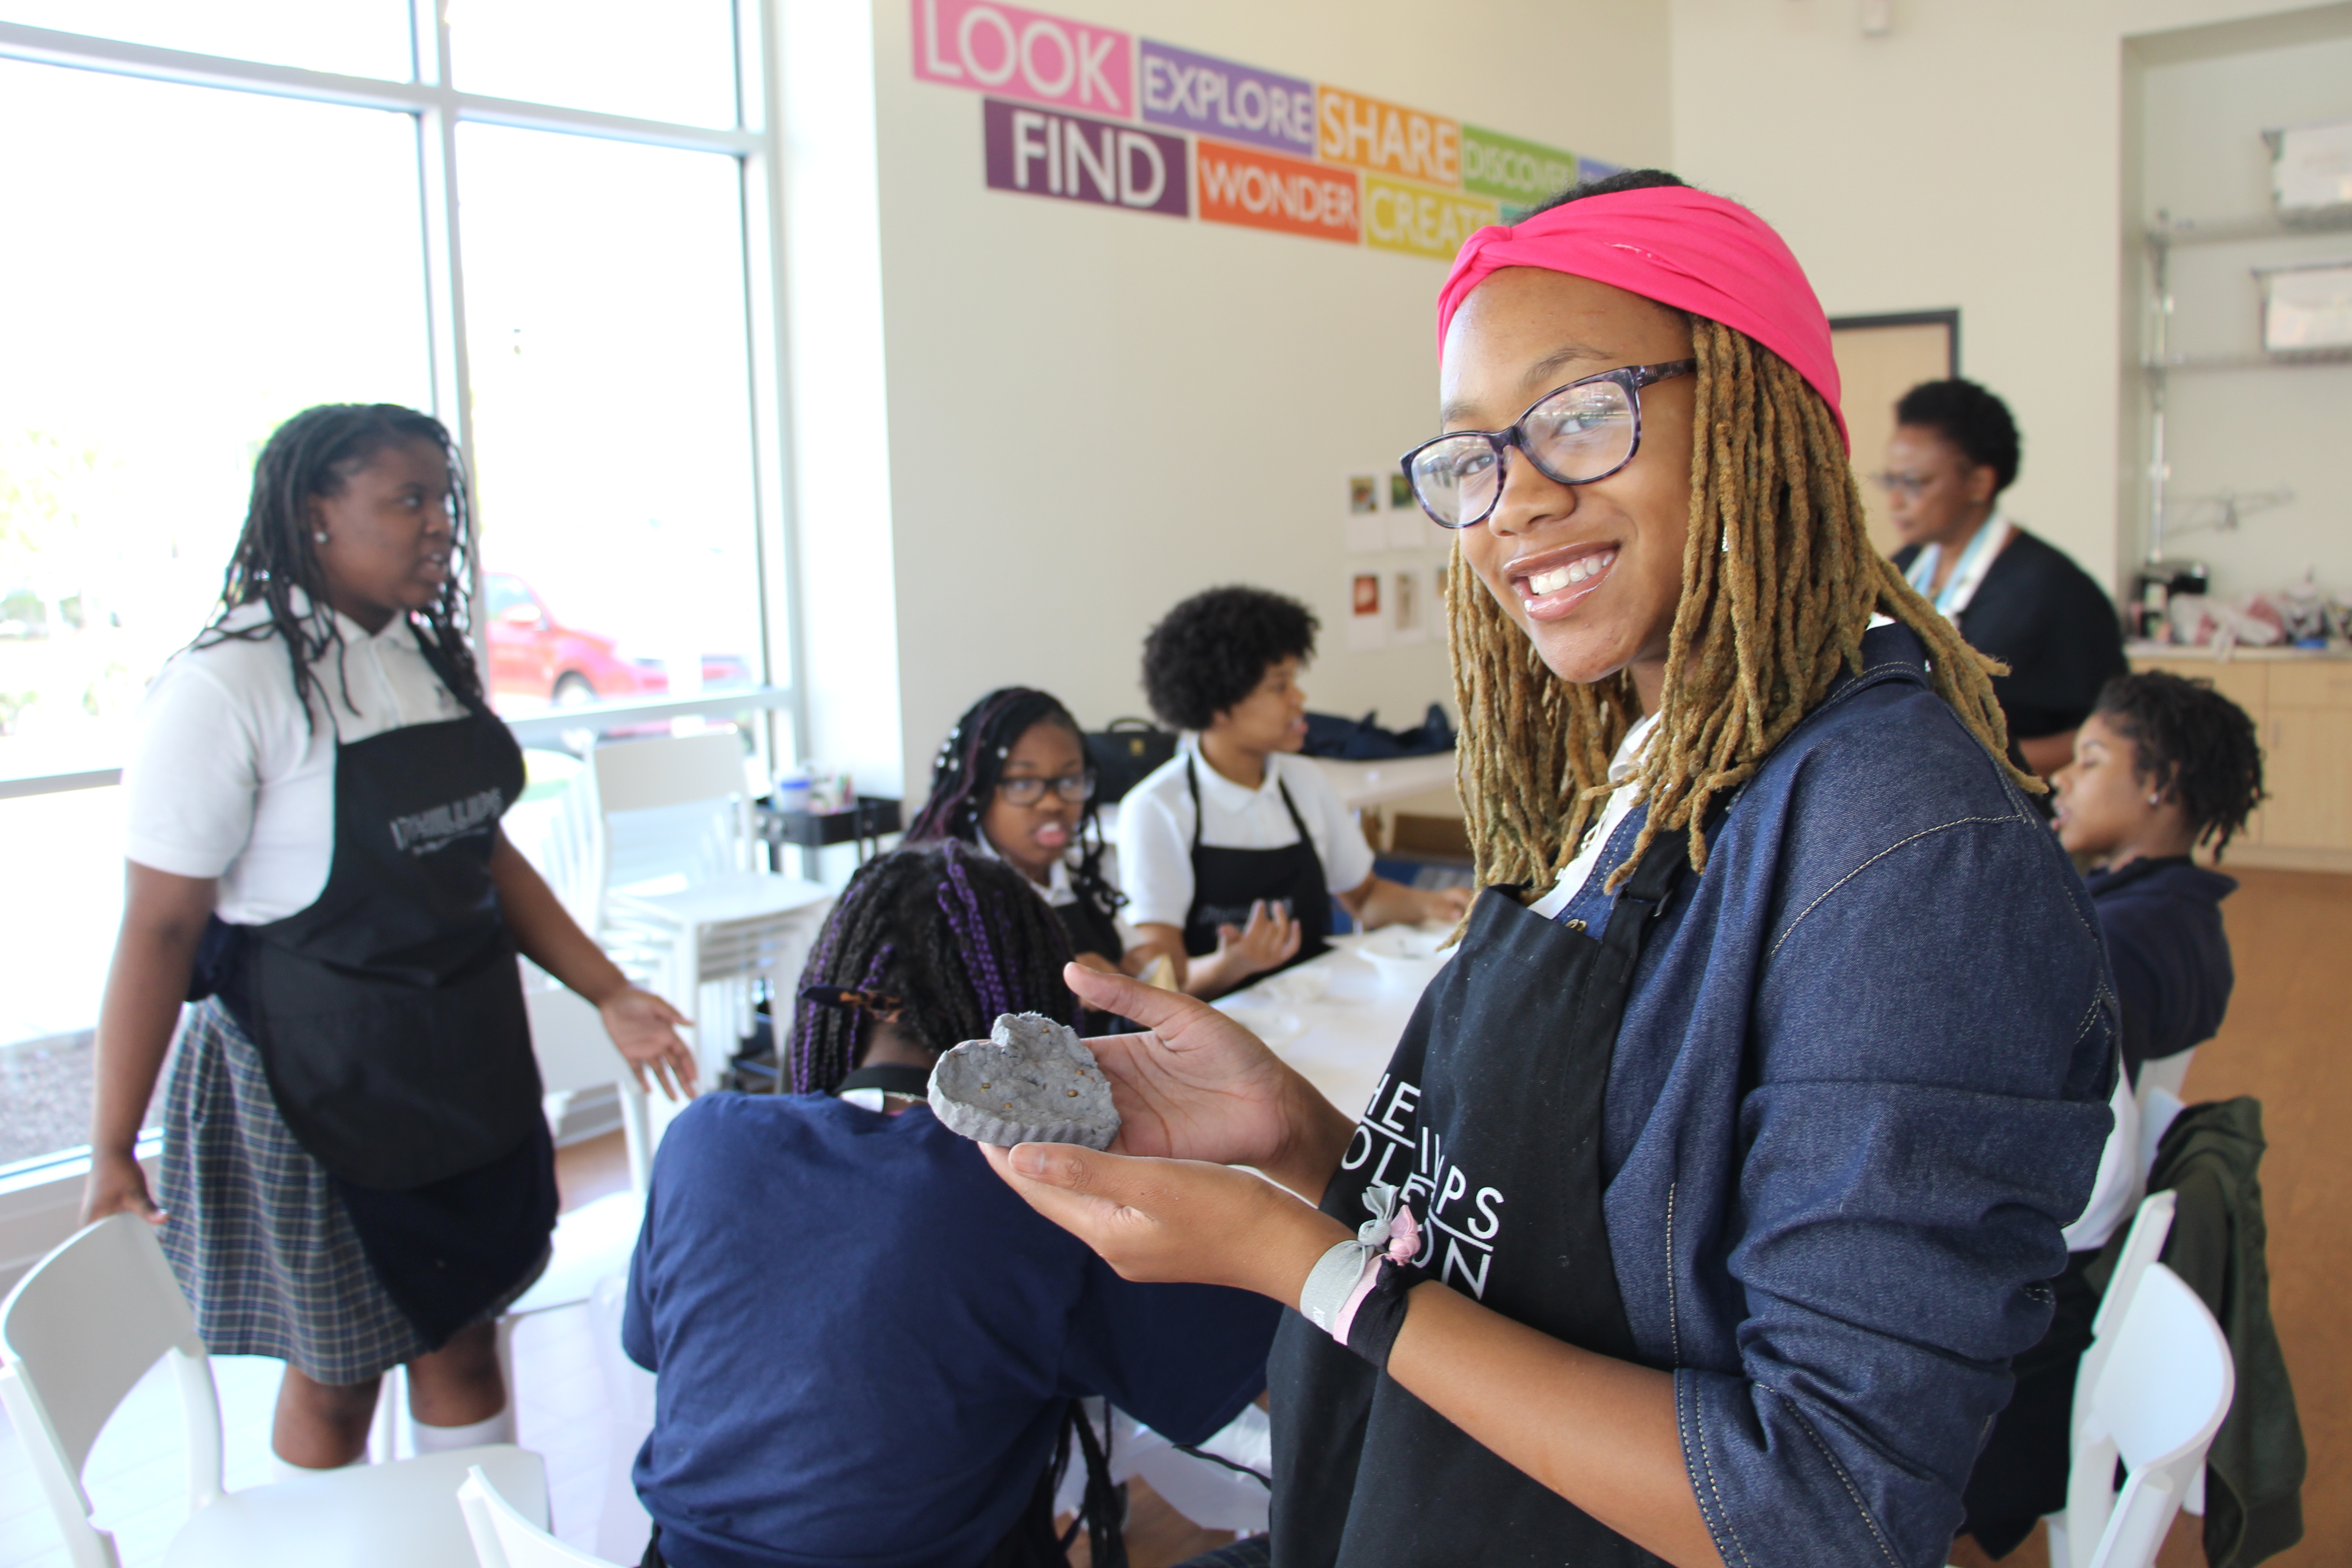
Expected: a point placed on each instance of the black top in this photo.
(2162, 920)
(2052, 623)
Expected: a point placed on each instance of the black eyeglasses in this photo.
(1029, 791)
(1574, 435)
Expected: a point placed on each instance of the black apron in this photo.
(1226, 882)
(1489, 1120)
(388, 1017)
(1089, 929)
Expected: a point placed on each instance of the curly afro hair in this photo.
(2191, 743)
(1970, 419)
(1211, 650)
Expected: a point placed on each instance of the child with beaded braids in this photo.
(870, 1351)
(1013, 781)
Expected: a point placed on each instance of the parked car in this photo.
(535, 657)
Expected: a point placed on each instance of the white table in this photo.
(1349, 1032)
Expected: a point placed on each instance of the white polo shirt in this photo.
(226, 779)
(1155, 829)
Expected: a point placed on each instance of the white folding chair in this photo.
(2154, 1399)
(681, 906)
(86, 1324)
(504, 1538)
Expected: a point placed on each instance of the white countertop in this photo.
(1392, 778)
(2274, 655)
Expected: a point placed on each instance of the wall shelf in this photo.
(2176, 232)
(2190, 364)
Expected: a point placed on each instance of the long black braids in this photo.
(311, 455)
(952, 938)
(956, 938)
(971, 764)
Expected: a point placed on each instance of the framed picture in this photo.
(1363, 493)
(1400, 493)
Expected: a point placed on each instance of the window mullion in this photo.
(453, 402)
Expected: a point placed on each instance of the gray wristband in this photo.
(1331, 1281)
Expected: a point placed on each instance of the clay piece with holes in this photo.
(1032, 1080)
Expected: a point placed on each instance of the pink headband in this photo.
(1682, 248)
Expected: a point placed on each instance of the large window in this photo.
(221, 213)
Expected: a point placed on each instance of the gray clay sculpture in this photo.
(1031, 1081)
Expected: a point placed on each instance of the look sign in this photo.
(1017, 53)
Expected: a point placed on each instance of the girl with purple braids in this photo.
(869, 1350)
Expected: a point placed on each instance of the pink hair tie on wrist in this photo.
(1344, 1277)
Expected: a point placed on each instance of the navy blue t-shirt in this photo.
(865, 1341)
(2162, 920)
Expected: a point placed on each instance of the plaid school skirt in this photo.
(260, 1241)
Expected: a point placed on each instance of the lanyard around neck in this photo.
(1968, 572)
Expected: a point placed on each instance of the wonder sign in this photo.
(1025, 54)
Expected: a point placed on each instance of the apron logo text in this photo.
(1389, 1129)
(423, 832)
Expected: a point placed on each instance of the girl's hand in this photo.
(1269, 940)
(116, 1185)
(1173, 1220)
(644, 1030)
(1198, 1086)
(1447, 904)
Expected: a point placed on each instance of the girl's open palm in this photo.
(1195, 1085)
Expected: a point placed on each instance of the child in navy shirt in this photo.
(2161, 766)
(870, 1349)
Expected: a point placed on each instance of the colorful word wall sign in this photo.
(1074, 112)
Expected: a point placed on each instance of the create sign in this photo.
(1025, 54)
(1387, 140)
(1264, 189)
(1218, 98)
(1041, 153)
(1420, 222)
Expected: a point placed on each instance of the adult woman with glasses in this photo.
(1705, 1198)
(2014, 596)
(1013, 781)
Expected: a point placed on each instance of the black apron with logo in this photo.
(389, 1019)
(1226, 882)
(1489, 1122)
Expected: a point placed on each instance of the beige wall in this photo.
(1974, 157)
(1091, 414)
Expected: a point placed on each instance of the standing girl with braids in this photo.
(1011, 780)
(356, 1173)
(1706, 1197)
(869, 1352)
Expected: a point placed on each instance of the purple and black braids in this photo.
(969, 764)
(956, 937)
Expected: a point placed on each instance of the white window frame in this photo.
(40, 1198)
(437, 108)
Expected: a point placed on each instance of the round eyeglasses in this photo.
(1574, 435)
(1030, 791)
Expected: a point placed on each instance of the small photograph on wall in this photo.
(1363, 493)
(1400, 493)
(1407, 606)
(1367, 627)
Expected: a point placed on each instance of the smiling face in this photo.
(1272, 718)
(388, 535)
(1592, 574)
(1032, 838)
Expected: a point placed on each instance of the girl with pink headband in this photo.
(1706, 1197)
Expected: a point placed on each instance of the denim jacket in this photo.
(1861, 1084)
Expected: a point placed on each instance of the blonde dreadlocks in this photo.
(1778, 583)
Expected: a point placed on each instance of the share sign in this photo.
(1017, 53)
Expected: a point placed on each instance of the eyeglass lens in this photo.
(1579, 434)
(1028, 792)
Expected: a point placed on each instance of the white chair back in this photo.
(2158, 1397)
(575, 1053)
(76, 1334)
(504, 1538)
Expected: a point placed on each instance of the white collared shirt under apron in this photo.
(1155, 828)
(227, 777)
(1623, 796)
(1968, 572)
